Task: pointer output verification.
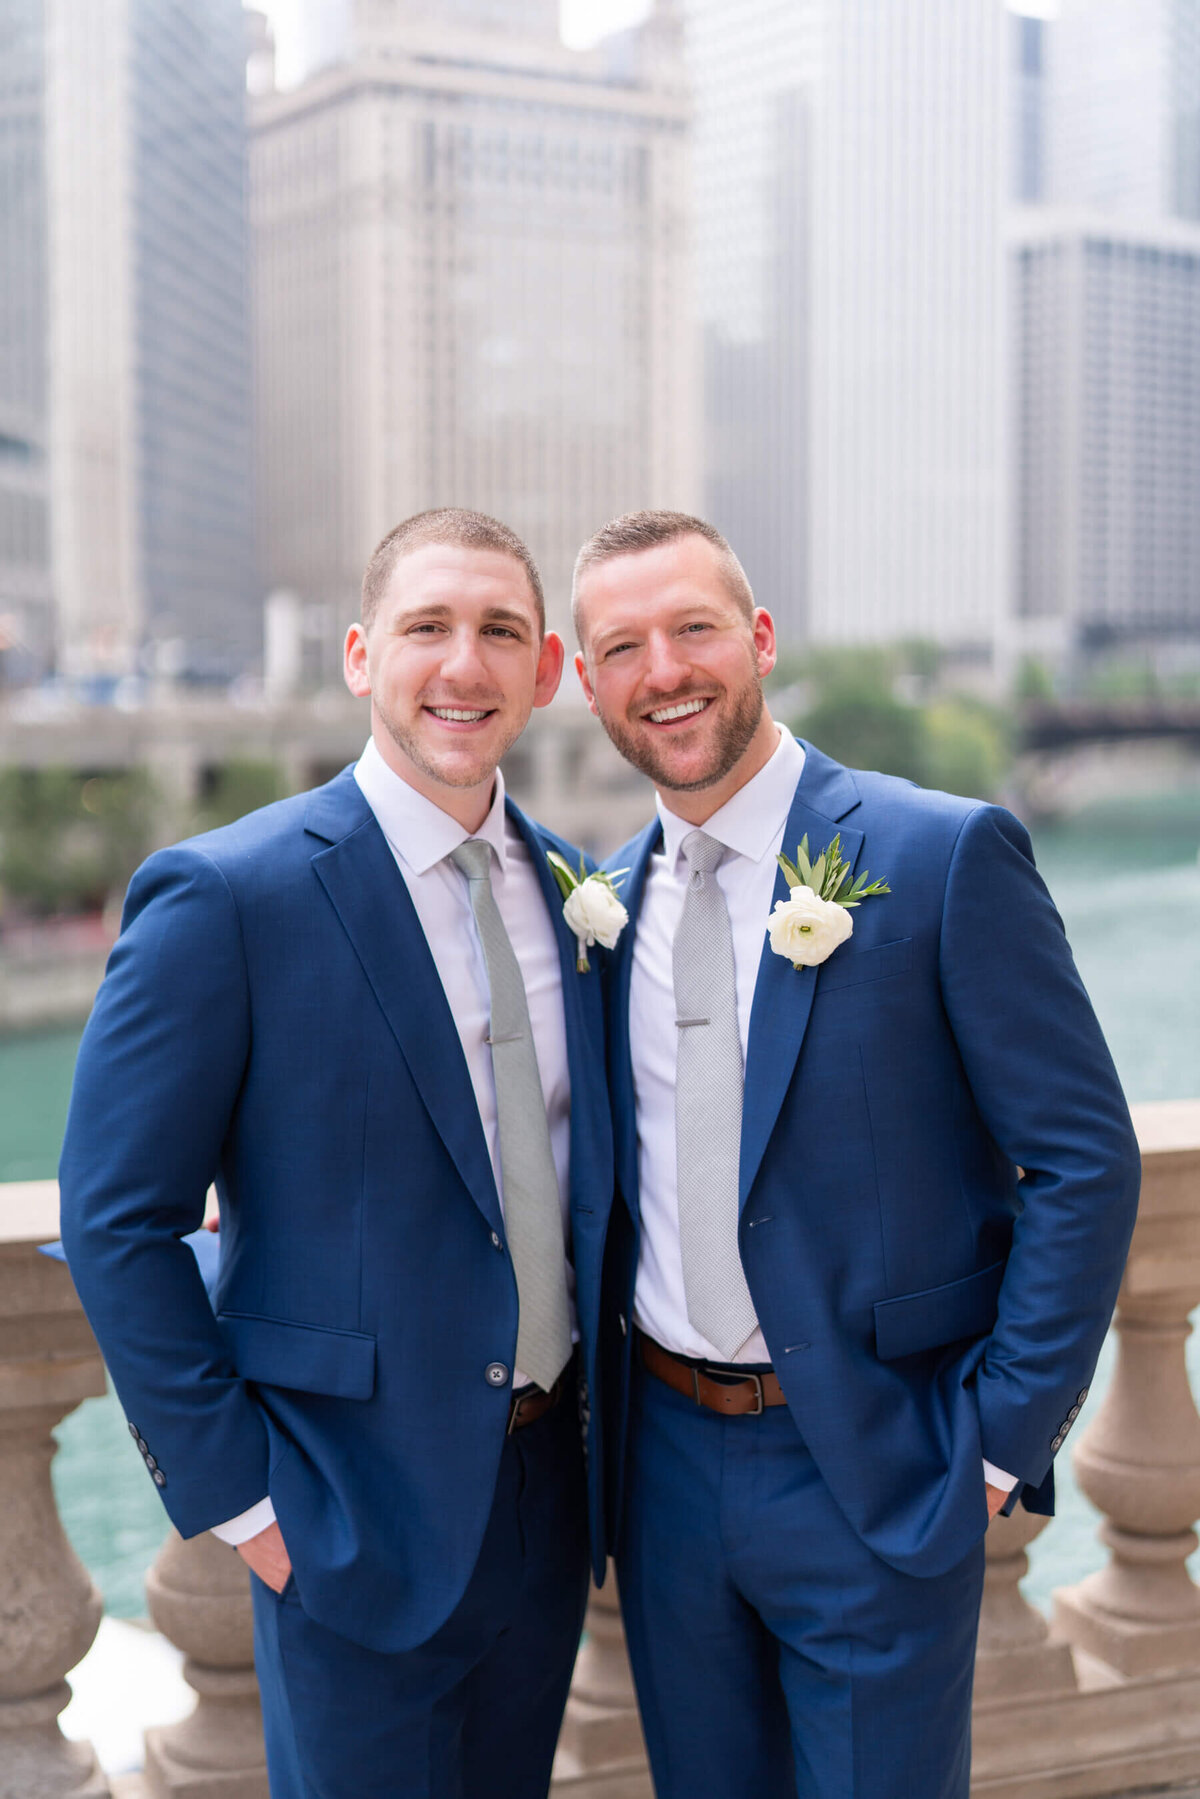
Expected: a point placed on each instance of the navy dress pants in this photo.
(775, 1656)
(474, 1713)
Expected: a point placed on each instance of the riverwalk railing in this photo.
(1102, 1700)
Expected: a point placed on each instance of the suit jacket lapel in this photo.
(783, 996)
(368, 892)
(632, 891)
(591, 1140)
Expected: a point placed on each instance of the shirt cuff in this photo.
(995, 1477)
(246, 1524)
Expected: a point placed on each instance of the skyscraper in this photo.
(150, 425)
(25, 622)
(469, 248)
(1106, 335)
(1124, 99)
(849, 182)
(1107, 431)
(1028, 107)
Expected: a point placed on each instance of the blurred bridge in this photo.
(1068, 724)
(564, 770)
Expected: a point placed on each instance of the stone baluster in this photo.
(1015, 1652)
(601, 1754)
(198, 1592)
(1139, 1460)
(49, 1609)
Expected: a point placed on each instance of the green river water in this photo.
(1126, 877)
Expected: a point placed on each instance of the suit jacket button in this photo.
(622, 1323)
(496, 1374)
(160, 1479)
(496, 1243)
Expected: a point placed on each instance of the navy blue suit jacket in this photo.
(272, 1019)
(924, 1302)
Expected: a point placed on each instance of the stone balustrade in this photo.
(1102, 1700)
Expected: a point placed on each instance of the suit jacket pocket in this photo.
(274, 1352)
(917, 1321)
(847, 966)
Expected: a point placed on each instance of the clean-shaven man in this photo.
(876, 1191)
(359, 1012)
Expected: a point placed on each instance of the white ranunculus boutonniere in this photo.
(590, 905)
(808, 926)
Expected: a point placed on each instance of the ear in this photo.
(584, 682)
(765, 650)
(551, 657)
(355, 667)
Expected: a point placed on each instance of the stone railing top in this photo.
(28, 1211)
(1168, 1127)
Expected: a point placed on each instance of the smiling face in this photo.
(453, 662)
(673, 669)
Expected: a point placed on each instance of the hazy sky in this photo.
(583, 22)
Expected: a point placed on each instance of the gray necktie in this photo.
(532, 1212)
(708, 1105)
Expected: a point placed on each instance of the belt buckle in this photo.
(514, 1414)
(759, 1396)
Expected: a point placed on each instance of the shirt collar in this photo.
(751, 821)
(419, 832)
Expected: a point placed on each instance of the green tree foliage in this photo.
(237, 787)
(69, 841)
(967, 747)
(857, 715)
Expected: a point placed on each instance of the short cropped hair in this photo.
(449, 525)
(635, 531)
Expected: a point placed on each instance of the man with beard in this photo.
(877, 1182)
(359, 1012)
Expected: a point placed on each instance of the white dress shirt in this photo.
(421, 836)
(751, 826)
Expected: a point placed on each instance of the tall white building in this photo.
(149, 407)
(471, 287)
(1106, 430)
(1124, 107)
(26, 628)
(851, 164)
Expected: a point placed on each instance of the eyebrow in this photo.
(440, 609)
(631, 628)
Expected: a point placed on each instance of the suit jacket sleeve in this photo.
(1043, 1080)
(155, 1087)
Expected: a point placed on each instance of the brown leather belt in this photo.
(734, 1398)
(530, 1404)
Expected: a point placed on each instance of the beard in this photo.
(729, 741)
(447, 767)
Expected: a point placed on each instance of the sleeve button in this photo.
(134, 1432)
(160, 1479)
